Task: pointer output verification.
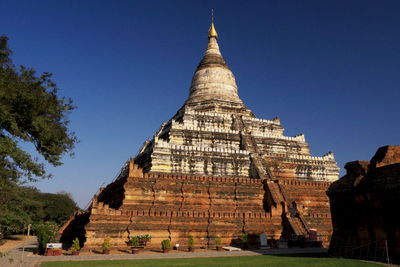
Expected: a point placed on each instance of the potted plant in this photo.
(218, 243)
(191, 243)
(135, 244)
(166, 245)
(106, 245)
(144, 239)
(244, 240)
(75, 247)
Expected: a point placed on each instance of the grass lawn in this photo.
(251, 261)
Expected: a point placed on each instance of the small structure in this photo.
(365, 207)
(53, 249)
(282, 243)
(313, 236)
(229, 248)
(263, 241)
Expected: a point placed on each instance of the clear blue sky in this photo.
(328, 69)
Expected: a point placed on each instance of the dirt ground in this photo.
(14, 241)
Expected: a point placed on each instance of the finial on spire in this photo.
(212, 32)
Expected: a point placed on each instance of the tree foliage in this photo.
(46, 232)
(30, 111)
(20, 206)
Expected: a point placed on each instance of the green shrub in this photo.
(190, 241)
(146, 237)
(75, 245)
(166, 243)
(134, 241)
(218, 240)
(106, 243)
(46, 233)
(244, 239)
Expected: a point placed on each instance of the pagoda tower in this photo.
(213, 169)
(215, 134)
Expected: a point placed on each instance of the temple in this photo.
(364, 204)
(213, 169)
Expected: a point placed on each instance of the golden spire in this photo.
(212, 32)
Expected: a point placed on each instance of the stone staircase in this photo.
(75, 227)
(294, 217)
(248, 143)
(256, 160)
(278, 196)
(297, 225)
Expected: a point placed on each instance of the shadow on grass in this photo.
(285, 253)
(327, 255)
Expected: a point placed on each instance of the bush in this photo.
(134, 241)
(146, 237)
(218, 240)
(139, 240)
(244, 239)
(106, 243)
(46, 233)
(166, 243)
(190, 241)
(75, 245)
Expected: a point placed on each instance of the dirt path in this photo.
(19, 253)
(14, 242)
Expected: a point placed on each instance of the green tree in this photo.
(32, 112)
(13, 216)
(46, 233)
(57, 207)
(21, 205)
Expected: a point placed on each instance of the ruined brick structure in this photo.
(215, 169)
(364, 205)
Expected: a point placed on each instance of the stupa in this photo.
(213, 169)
